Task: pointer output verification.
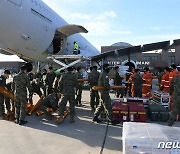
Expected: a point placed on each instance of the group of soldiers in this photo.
(59, 89)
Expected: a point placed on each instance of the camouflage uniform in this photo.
(49, 82)
(118, 82)
(56, 85)
(51, 101)
(67, 85)
(79, 89)
(93, 81)
(3, 84)
(175, 90)
(20, 83)
(106, 100)
(138, 81)
(8, 100)
(36, 87)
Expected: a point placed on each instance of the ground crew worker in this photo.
(50, 80)
(160, 74)
(67, 85)
(118, 82)
(2, 97)
(138, 81)
(106, 100)
(79, 88)
(165, 80)
(173, 73)
(146, 88)
(50, 101)
(130, 83)
(175, 93)
(20, 84)
(93, 81)
(75, 48)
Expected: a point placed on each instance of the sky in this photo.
(133, 21)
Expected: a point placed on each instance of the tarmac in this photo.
(42, 135)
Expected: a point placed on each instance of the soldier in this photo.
(165, 80)
(146, 89)
(3, 84)
(20, 84)
(50, 80)
(43, 78)
(8, 101)
(118, 82)
(93, 81)
(79, 88)
(50, 101)
(175, 93)
(56, 85)
(138, 81)
(67, 85)
(106, 100)
(36, 86)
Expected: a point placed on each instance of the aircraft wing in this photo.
(117, 53)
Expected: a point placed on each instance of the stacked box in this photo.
(137, 112)
(162, 98)
(120, 111)
(157, 112)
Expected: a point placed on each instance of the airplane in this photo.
(34, 32)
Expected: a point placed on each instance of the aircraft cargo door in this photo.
(16, 2)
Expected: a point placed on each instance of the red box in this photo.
(137, 112)
(120, 111)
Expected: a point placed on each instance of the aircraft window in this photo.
(16, 2)
(35, 3)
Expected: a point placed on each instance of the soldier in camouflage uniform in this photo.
(106, 100)
(67, 85)
(50, 101)
(175, 93)
(56, 85)
(93, 81)
(20, 84)
(50, 80)
(8, 101)
(43, 78)
(118, 82)
(3, 84)
(79, 88)
(138, 81)
(36, 86)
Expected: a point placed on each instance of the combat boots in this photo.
(72, 120)
(59, 119)
(22, 122)
(96, 119)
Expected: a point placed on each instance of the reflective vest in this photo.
(147, 77)
(172, 75)
(76, 46)
(165, 82)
